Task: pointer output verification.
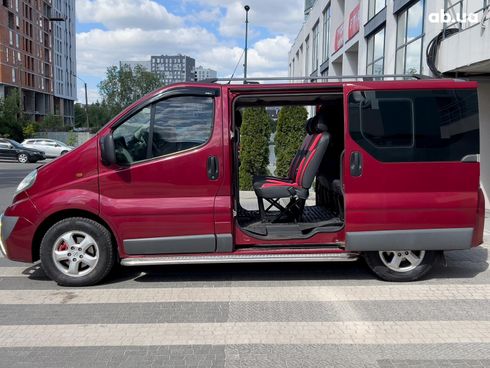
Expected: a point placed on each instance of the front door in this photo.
(411, 176)
(160, 197)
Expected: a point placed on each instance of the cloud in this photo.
(114, 14)
(99, 49)
(277, 16)
(137, 29)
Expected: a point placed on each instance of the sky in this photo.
(211, 31)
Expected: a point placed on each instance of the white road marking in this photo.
(411, 332)
(247, 294)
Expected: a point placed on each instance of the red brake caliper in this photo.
(63, 247)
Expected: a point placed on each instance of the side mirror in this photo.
(10, 146)
(107, 150)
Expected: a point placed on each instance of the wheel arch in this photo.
(60, 215)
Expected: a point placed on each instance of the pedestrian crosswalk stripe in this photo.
(247, 294)
(364, 332)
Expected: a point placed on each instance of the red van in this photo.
(388, 171)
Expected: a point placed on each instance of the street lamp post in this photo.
(247, 8)
(86, 99)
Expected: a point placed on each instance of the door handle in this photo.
(213, 168)
(356, 163)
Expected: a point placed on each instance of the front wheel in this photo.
(22, 158)
(401, 265)
(77, 252)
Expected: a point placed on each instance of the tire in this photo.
(383, 264)
(83, 250)
(23, 158)
(63, 153)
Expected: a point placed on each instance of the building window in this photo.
(409, 39)
(315, 47)
(375, 53)
(375, 6)
(307, 59)
(13, 76)
(326, 33)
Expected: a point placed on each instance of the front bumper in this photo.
(7, 224)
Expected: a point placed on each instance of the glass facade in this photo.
(409, 40)
(375, 53)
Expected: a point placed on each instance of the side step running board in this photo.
(232, 258)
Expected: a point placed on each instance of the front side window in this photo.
(182, 123)
(409, 39)
(167, 127)
(415, 126)
(131, 138)
(375, 53)
(326, 33)
(375, 6)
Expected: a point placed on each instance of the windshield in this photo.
(60, 143)
(15, 144)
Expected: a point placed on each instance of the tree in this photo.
(53, 123)
(99, 114)
(290, 133)
(124, 85)
(254, 146)
(11, 117)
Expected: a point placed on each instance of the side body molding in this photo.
(425, 239)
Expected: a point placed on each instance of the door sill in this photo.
(243, 258)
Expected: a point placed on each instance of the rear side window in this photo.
(405, 126)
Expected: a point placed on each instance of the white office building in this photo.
(146, 65)
(369, 37)
(201, 73)
(64, 61)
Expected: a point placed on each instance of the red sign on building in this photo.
(354, 21)
(339, 37)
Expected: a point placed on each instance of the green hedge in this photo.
(254, 146)
(290, 133)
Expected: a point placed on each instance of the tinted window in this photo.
(437, 125)
(387, 122)
(131, 138)
(181, 123)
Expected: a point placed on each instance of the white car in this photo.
(51, 147)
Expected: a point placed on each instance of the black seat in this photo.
(302, 173)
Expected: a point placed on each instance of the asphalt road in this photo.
(11, 174)
(265, 315)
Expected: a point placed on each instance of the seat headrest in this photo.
(316, 125)
(321, 125)
(310, 125)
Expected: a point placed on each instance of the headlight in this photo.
(27, 182)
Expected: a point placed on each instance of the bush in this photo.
(290, 133)
(30, 129)
(254, 147)
(53, 123)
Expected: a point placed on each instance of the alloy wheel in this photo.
(402, 260)
(75, 253)
(23, 158)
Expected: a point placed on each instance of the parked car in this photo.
(51, 147)
(396, 167)
(12, 150)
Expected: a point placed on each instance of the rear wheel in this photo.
(22, 158)
(401, 265)
(77, 252)
(63, 152)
